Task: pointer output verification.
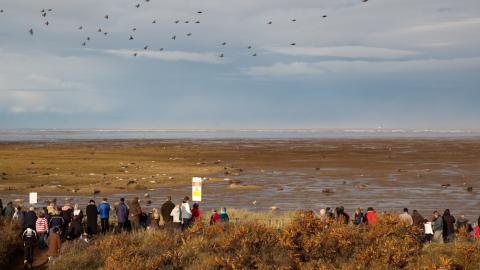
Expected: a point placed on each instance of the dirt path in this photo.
(39, 261)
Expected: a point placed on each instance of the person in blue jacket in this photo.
(104, 213)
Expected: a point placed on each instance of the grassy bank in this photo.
(10, 241)
(305, 243)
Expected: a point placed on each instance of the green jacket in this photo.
(8, 212)
(437, 225)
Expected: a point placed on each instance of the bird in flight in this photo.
(88, 38)
(145, 48)
(1, 10)
(135, 54)
(199, 12)
(154, 21)
(99, 30)
(294, 20)
(187, 21)
(221, 55)
(255, 54)
(197, 22)
(161, 49)
(293, 44)
(137, 5)
(80, 27)
(44, 14)
(131, 37)
(31, 31)
(189, 34)
(224, 43)
(174, 37)
(106, 17)
(249, 47)
(134, 29)
(84, 44)
(47, 23)
(324, 16)
(177, 21)
(105, 33)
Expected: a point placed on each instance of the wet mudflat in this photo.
(388, 174)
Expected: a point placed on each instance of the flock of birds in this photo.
(131, 36)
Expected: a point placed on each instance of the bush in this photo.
(10, 241)
(305, 243)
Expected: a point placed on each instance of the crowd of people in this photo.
(437, 229)
(49, 226)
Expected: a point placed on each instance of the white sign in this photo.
(197, 189)
(33, 197)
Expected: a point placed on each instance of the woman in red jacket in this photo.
(196, 213)
(371, 216)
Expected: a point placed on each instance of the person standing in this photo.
(1, 208)
(359, 217)
(186, 213)
(437, 226)
(154, 220)
(342, 216)
(54, 245)
(371, 216)
(121, 211)
(29, 219)
(29, 238)
(196, 213)
(176, 217)
(214, 217)
(448, 226)
(9, 211)
(135, 212)
(223, 217)
(462, 223)
(104, 213)
(166, 210)
(405, 217)
(92, 221)
(41, 226)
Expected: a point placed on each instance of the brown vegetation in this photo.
(305, 243)
(10, 241)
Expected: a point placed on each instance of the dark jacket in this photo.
(75, 229)
(448, 224)
(8, 212)
(92, 219)
(462, 223)
(418, 220)
(29, 220)
(358, 219)
(122, 212)
(166, 209)
(56, 221)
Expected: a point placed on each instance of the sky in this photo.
(389, 63)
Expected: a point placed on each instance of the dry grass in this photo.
(10, 241)
(305, 243)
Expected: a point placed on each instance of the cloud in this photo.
(34, 82)
(210, 58)
(345, 51)
(363, 67)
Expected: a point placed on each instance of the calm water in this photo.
(111, 134)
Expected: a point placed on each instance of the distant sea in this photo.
(282, 134)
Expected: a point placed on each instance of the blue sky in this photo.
(395, 63)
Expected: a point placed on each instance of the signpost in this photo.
(33, 198)
(197, 189)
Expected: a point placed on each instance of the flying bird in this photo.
(42, 11)
(189, 34)
(131, 37)
(47, 23)
(145, 48)
(80, 27)
(224, 43)
(293, 44)
(324, 16)
(174, 37)
(137, 6)
(31, 31)
(99, 30)
(88, 38)
(44, 14)
(106, 17)
(255, 54)
(105, 33)
(135, 54)
(221, 55)
(187, 21)
(199, 12)
(49, 10)
(154, 21)
(161, 49)
(249, 47)
(177, 21)
(1, 10)
(197, 22)
(294, 20)
(134, 29)
(270, 22)
(83, 44)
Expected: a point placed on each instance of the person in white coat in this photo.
(186, 213)
(177, 220)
